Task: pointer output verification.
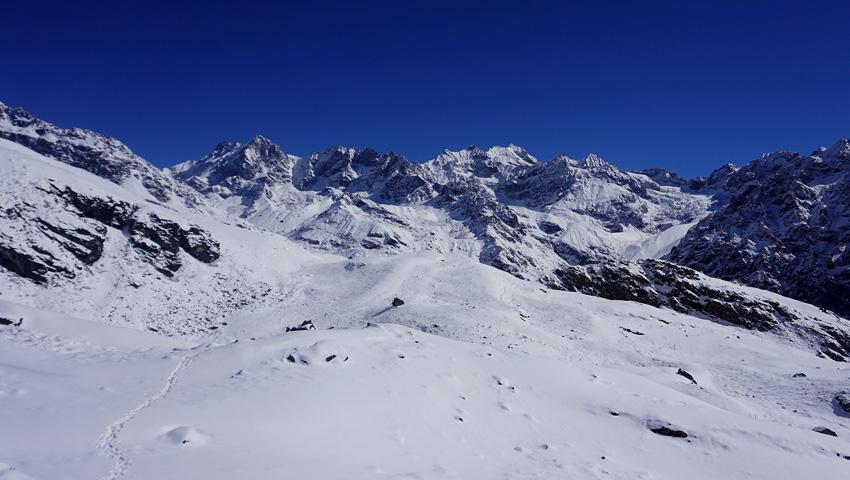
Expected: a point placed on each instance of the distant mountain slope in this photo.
(99, 154)
(786, 228)
(501, 205)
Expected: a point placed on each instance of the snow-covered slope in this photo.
(82, 245)
(477, 375)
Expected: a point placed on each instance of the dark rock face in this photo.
(160, 240)
(672, 179)
(663, 284)
(32, 266)
(825, 431)
(34, 245)
(99, 154)
(784, 229)
(397, 302)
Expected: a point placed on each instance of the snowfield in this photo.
(530, 383)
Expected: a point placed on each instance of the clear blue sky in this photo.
(683, 85)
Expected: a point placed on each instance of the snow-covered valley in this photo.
(146, 324)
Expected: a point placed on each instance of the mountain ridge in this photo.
(500, 206)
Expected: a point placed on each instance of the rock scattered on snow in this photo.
(629, 330)
(9, 321)
(305, 325)
(825, 431)
(325, 351)
(397, 302)
(686, 375)
(658, 428)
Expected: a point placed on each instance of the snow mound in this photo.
(186, 435)
(8, 472)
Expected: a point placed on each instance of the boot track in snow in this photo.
(109, 440)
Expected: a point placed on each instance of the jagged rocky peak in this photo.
(497, 162)
(512, 155)
(665, 177)
(563, 159)
(840, 150)
(594, 161)
(234, 168)
(355, 169)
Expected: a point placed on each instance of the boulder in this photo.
(305, 325)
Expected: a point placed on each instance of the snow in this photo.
(519, 383)
(478, 374)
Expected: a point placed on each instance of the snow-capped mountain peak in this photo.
(238, 168)
(496, 162)
(840, 150)
(594, 161)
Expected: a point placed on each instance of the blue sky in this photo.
(686, 86)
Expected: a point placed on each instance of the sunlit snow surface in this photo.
(525, 387)
(477, 375)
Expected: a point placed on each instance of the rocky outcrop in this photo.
(663, 284)
(67, 232)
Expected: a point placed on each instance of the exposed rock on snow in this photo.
(667, 431)
(500, 206)
(662, 284)
(55, 229)
(305, 325)
(686, 375)
(843, 400)
(319, 353)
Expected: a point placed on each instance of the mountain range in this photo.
(780, 223)
(711, 311)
